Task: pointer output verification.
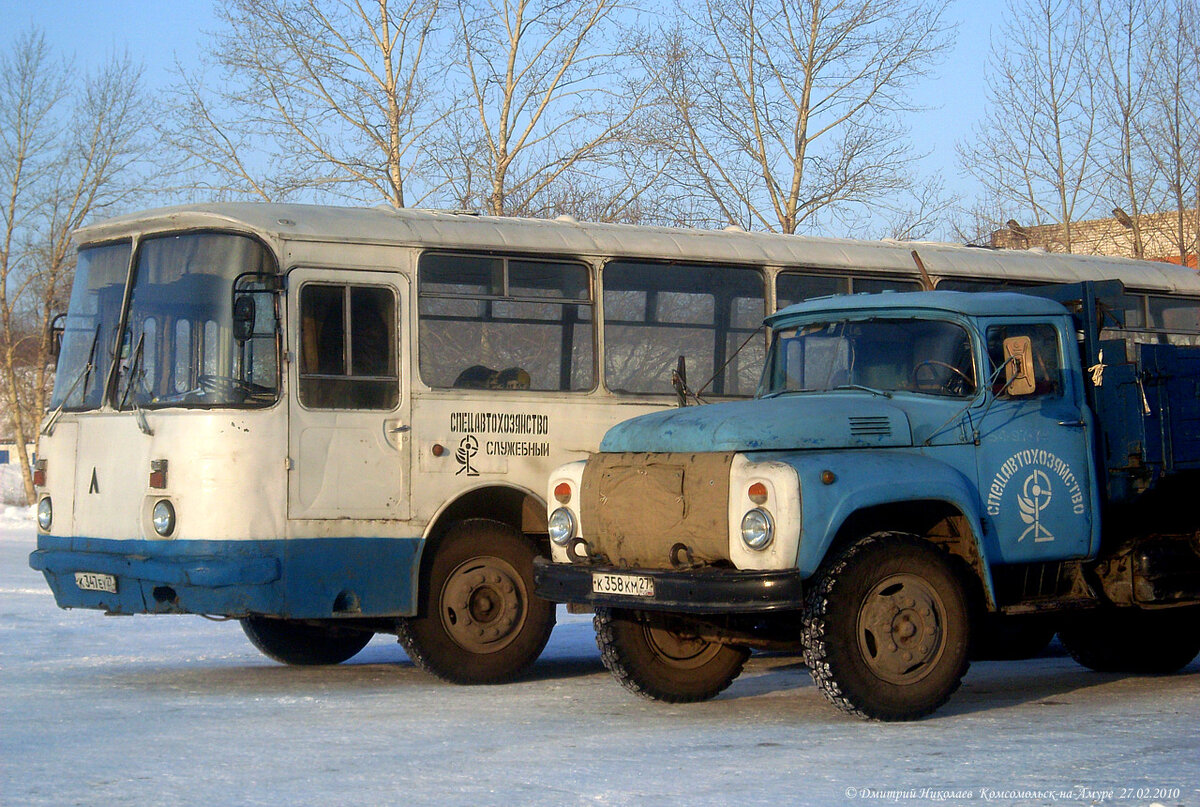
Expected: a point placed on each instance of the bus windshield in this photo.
(879, 355)
(90, 328)
(192, 338)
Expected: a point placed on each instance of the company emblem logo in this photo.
(468, 447)
(1033, 499)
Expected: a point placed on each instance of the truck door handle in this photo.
(1073, 424)
(400, 429)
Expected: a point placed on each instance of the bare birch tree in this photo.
(779, 111)
(1035, 150)
(71, 146)
(326, 96)
(1173, 120)
(549, 92)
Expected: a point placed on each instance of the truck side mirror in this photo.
(243, 317)
(1018, 366)
(57, 328)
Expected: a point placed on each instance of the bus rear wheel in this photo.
(290, 641)
(657, 656)
(479, 621)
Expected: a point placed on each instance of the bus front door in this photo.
(348, 412)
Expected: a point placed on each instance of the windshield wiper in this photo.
(871, 390)
(138, 413)
(777, 393)
(85, 373)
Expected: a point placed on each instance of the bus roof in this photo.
(566, 237)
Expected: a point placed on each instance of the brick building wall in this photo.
(1159, 235)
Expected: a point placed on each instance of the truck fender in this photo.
(836, 485)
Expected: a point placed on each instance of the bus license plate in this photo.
(91, 581)
(628, 585)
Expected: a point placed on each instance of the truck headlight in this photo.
(561, 526)
(163, 517)
(757, 529)
(45, 513)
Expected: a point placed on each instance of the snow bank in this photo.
(12, 487)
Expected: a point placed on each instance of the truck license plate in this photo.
(629, 585)
(92, 581)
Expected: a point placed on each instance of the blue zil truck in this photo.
(920, 475)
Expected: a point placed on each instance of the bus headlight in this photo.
(561, 526)
(163, 517)
(757, 529)
(45, 513)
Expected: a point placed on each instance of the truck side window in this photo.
(1047, 367)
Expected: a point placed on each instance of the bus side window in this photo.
(348, 347)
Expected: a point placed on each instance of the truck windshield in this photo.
(880, 355)
(192, 338)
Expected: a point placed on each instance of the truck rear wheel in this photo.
(656, 656)
(289, 641)
(479, 621)
(886, 628)
(1133, 641)
(1009, 638)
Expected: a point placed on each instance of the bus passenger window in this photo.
(497, 323)
(359, 372)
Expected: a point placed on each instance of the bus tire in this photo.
(886, 628)
(479, 621)
(658, 660)
(1128, 640)
(290, 641)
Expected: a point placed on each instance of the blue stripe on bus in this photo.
(306, 578)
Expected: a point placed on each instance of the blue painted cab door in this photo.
(1034, 457)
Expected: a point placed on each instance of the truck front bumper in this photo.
(708, 591)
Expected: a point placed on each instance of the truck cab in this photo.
(913, 468)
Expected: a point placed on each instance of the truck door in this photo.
(348, 409)
(1033, 458)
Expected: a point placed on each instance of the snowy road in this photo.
(182, 711)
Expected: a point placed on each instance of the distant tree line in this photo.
(780, 115)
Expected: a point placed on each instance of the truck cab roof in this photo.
(992, 303)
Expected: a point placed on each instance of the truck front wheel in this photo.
(1128, 640)
(302, 643)
(886, 628)
(479, 621)
(657, 656)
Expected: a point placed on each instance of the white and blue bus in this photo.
(329, 423)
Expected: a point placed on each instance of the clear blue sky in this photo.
(158, 32)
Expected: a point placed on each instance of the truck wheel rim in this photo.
(483, 604)
(679, 650)
(901, 629)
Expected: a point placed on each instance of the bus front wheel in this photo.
(479, 621)
(303, 643)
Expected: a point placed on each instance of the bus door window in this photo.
(348, 347)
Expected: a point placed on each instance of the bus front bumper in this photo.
(709, 591)
(289, 578)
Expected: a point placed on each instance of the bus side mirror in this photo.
(243, 317)
(1018, 366)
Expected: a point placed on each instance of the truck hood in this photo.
(804, 421)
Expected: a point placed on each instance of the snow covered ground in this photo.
(99, 710)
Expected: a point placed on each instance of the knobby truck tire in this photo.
(886, 628)
(1129, 640)
(652, 655)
